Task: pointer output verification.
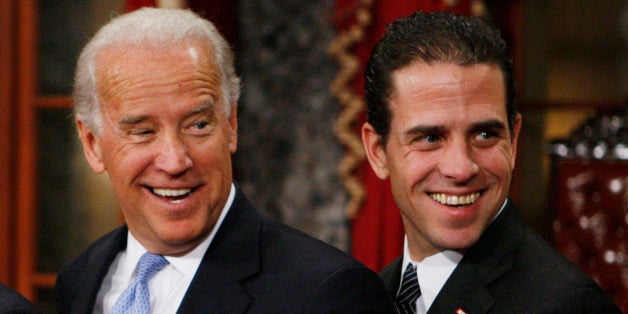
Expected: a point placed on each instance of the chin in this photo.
(460, 241)
(182, 237)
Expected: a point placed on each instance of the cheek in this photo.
(125, 161)
(410, 176)
(508, 155)
(210, 156)
(417, 168)
(500, 162)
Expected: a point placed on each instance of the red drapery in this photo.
(221, 13)
(132, 5)
(376, 229)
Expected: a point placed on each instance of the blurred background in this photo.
(299, 157)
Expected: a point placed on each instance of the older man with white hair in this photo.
(155, 103)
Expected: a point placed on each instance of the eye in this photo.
(142, 132)
(140, 135)
(201, 125)
(199, 128)
(485, 135)
(427, 142)
(486, 138)
(432, 138)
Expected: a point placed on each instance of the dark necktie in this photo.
(409, 291)
(136, 299)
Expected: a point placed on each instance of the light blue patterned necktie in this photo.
(136, 299)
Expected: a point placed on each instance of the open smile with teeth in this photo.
(456, 200)
(174, 195)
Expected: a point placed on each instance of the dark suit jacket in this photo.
(12, 302)
(511, 269)
(252, 265)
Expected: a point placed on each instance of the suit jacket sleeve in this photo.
(351, 290)
(12, 302)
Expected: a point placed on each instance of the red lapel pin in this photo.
(460, 311)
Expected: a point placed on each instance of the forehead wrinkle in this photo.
(117, 77)
(201, 53)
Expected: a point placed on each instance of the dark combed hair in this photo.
(437, 37)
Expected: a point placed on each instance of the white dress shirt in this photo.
(432, 272)
(168, 286)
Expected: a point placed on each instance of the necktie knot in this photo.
(149, 265)
(409, 291)
(136, 298)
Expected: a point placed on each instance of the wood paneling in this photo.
(7, 106)
(26, 154)
(54, 102)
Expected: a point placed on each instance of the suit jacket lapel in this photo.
(490, 258)
(96, 269)
(464, 290)
(391, 276)
(232, 256)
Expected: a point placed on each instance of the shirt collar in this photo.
(406, 253)
(186, 264)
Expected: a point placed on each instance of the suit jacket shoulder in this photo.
(79, 281)
(257, 265)
(511, 269)
(12, 302)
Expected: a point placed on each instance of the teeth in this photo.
(171, 193)
(455, 199)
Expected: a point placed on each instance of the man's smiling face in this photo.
(449, 154)
(166, 141)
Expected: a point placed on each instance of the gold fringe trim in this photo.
(352, 103)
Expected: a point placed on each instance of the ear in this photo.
(375, 152)
(516, 128)
(91, 147)
(233, 129)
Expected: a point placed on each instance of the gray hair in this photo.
(153, 28)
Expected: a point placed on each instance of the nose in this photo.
(172, 157)
(459, 163)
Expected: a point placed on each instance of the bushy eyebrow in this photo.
(494, 125)
(132, 120)
(425, 129)
(207, 106)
